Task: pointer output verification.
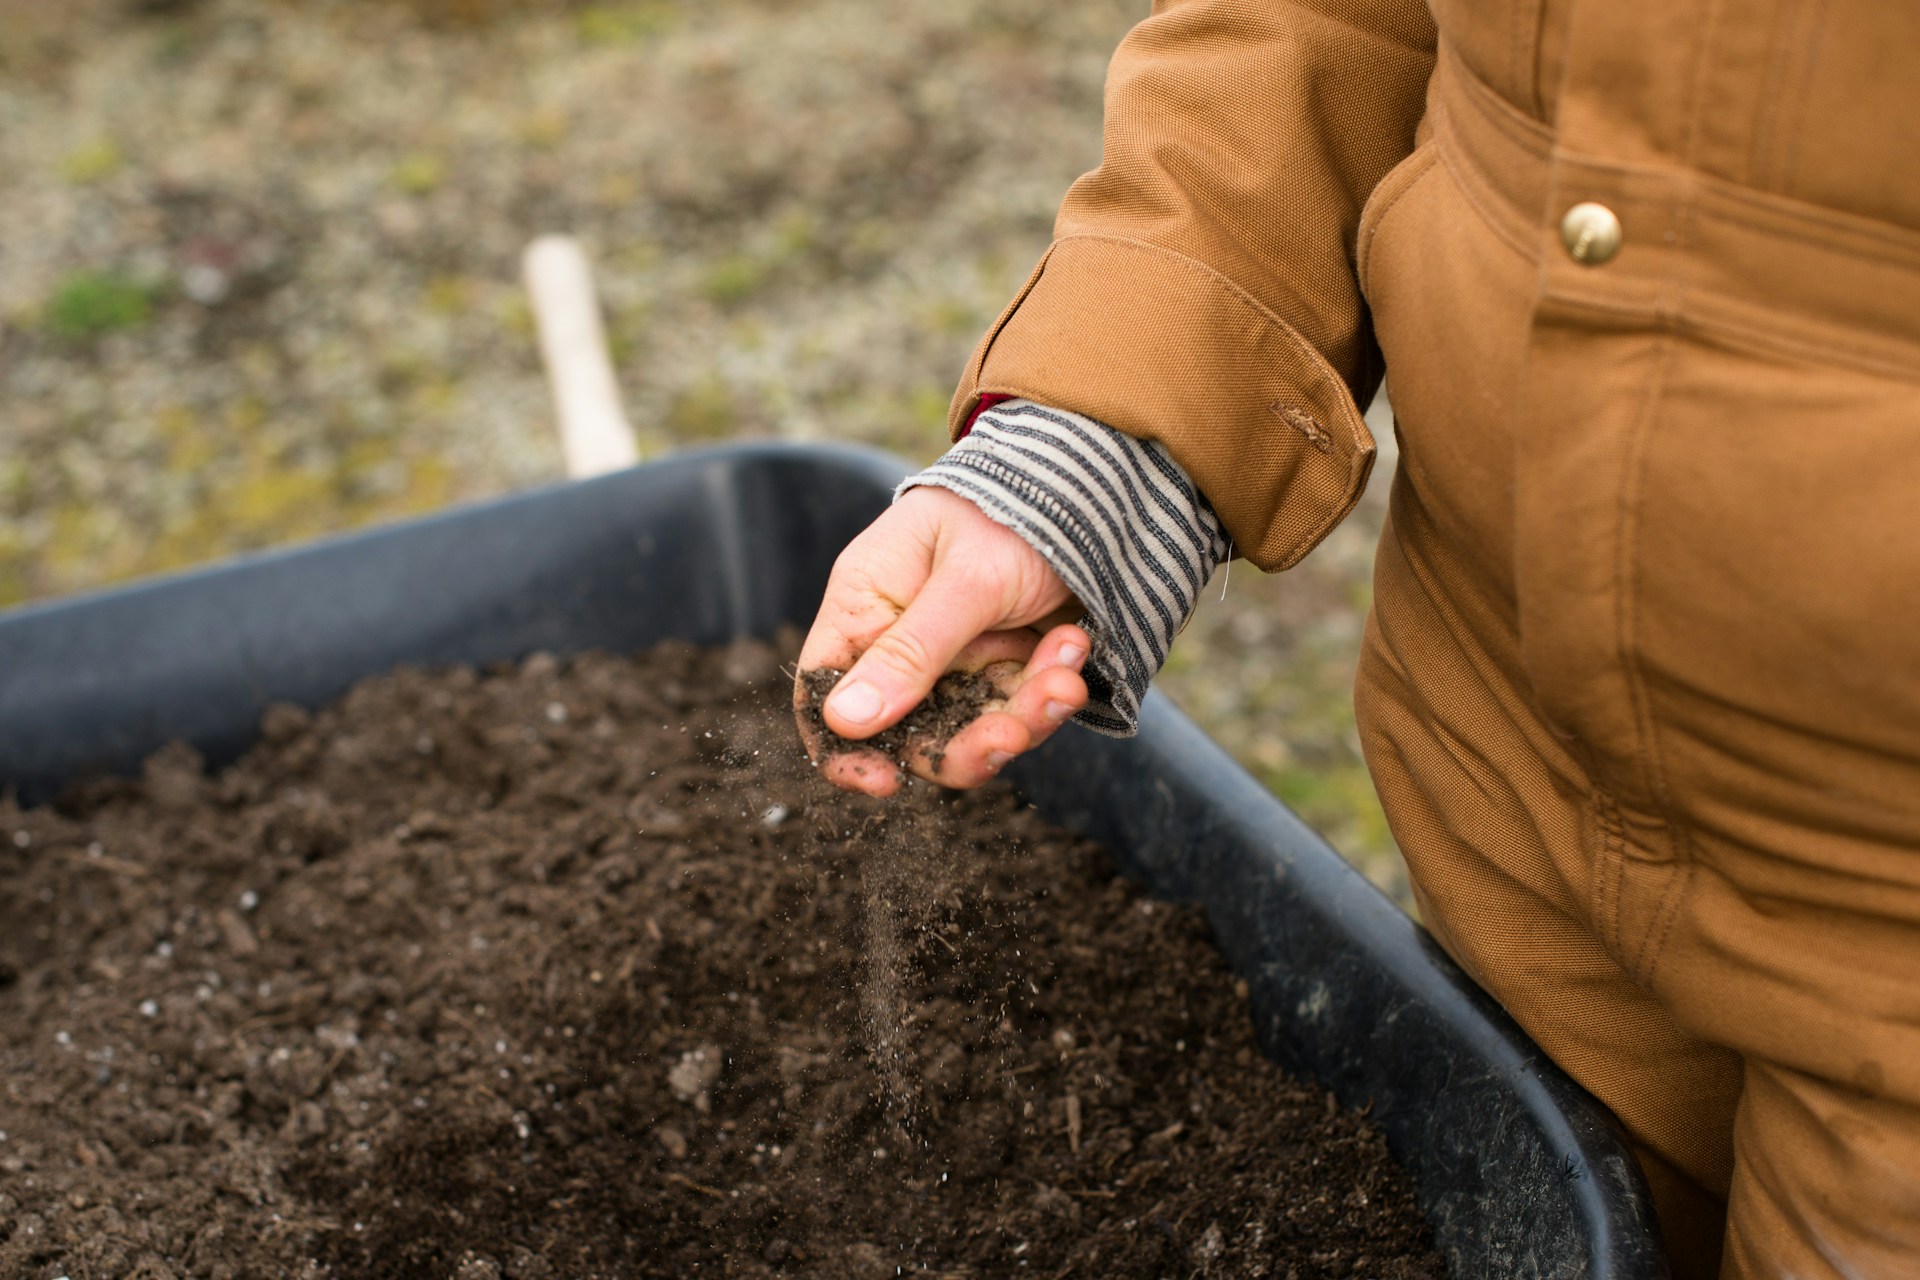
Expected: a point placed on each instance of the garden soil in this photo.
(575, 969)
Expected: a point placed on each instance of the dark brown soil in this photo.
(576, 970)
(956, 700)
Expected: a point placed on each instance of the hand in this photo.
(934, 585)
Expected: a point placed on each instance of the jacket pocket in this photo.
(1387, 193)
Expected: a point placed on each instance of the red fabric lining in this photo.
(987, 401)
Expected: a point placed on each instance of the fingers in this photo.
(974, 755)
(1043, 696)
(872, 579)
(1051, 690)
(934, 585)
(867, 772)
(900, 666)
(876, 773)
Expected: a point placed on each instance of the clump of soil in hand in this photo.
(956, 701)
(570, 970)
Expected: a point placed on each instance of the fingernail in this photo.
(996, 760)
(856, 703)
(1070, 655)
(1057, 711)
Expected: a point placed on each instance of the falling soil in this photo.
(576, 970)
(956, 699)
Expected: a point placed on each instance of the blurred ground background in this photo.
(259, 276)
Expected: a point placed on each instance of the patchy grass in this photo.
(735, 278)
(419, 174)
(91, 304)
(706, 411)
(608, 24)
(93, 162)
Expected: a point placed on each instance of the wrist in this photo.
(1115, 518)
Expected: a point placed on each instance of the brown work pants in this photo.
(1641, 693)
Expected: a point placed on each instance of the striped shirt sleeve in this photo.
(1116, 517)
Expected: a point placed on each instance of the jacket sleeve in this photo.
(1200, 288)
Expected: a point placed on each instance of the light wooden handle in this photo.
(594, 434)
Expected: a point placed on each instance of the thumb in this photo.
(901, 665)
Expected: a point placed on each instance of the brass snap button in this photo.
(1591, 233)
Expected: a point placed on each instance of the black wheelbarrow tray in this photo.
(1521, 1173)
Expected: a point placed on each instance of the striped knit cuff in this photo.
(1118, 520)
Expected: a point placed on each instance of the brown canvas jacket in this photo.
(1640, 688)
(1203, 287)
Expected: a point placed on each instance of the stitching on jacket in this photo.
(1763, 145)
(1626, 631)
(1524, 131)
(1704, 46)
(1765, 213)
(970, 380)
(1666, 913)
(1683, 197)
(1772, 212)
(1785, 217)
(1466, 180)
(1519, 65)
(1791, 172)
(1536, 86)
(1358, 467)
(1676, 282)
(1606, 814)
(1767, 340)
(1316, 362)
(1359, 462)
(1372, 221)
(1626, 565)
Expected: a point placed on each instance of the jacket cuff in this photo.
(1162, 347)
(1118, 520)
